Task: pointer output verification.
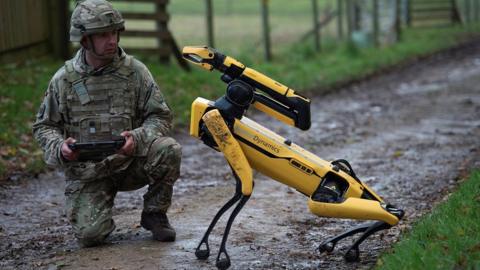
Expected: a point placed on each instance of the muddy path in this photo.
(410, 135)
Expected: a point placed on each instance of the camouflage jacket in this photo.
(152, 117)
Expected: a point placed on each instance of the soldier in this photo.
(99, 95)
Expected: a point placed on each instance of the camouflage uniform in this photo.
(122, 90)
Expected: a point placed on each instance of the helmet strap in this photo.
(91, 47)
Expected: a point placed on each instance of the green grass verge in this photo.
(22, 85)
(448, 238)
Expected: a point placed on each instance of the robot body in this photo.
(332, 188)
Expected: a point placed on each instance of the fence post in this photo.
(455, 14)
(356, 16)
(467, 11)
(59, 22)
(209, 18)
(266, 30)
(160, 8)
(409, 13)
(398, 26)
(316, 28)
(471, 14)
(340, 19)
(375, 23)
(475, 10)
(349, 19)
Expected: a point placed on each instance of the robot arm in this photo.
(273, 98)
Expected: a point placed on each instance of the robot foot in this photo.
(353, 253)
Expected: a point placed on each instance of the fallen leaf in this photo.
(397, 154)
(475, 248)
(23, 151)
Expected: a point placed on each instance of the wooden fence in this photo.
(25, 26)
(29, 28)
(432, 12)
(166, 44)
(25, 29)
(32, 27)
(346, 16)
(363, 22)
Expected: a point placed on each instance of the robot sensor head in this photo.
(240, 93)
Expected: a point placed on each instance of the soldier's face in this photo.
(106, 44)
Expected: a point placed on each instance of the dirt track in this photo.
(410, 135)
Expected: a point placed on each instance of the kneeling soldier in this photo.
(99, 96)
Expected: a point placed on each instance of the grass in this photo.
(448, 238)
(22, 87)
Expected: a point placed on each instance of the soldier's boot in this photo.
(158, 224)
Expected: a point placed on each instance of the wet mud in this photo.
(410, 135)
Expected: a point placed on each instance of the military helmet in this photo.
(94, 16)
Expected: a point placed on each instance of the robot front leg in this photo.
(204, 253)
(356, 208)
(242, 172)
(331, 200)
(353, 252)
(223, 260)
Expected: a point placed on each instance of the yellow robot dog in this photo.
(332, 188)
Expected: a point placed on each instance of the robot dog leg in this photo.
(330, 200)
(242, 171)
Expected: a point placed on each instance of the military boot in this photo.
(158, 224)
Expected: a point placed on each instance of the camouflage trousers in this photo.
(91, 187)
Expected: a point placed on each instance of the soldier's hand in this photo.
(129, 145)
(68, 153)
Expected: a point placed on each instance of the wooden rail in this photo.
(166, 44)
(432, 12)
(30, 28)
